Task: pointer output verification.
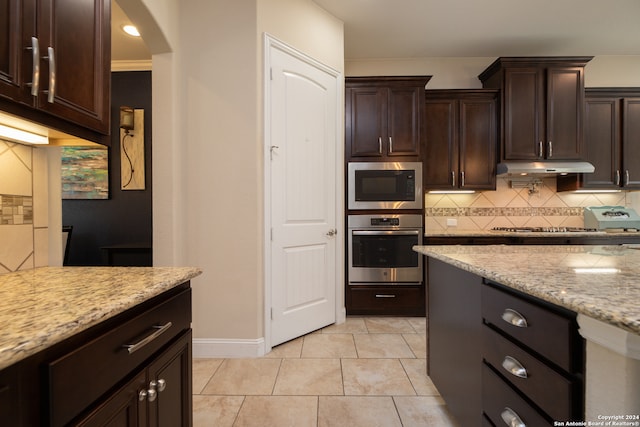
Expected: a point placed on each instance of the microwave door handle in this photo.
(385, 232)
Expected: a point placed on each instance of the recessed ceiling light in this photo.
(131, 30)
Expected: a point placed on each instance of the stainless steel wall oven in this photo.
(380, 249)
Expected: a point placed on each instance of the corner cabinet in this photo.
(384, 118)
(55, 63)
(461, 141)
(542, 106)
(612, 141)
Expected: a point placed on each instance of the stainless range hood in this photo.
(514, 168)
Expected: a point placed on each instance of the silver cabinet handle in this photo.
(515, 368)
(51, 92)
(511, 418)
(161, 384)
(384, 296)
(550, 149)
(626, 177)
(514, 318)
(540, 149)
(461, 179)
(159, 330)
(618, 177)
(35, 71)
(390, 145)
(380, 144)
(453, 178)
(332, 232)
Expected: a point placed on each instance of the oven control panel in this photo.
(385, 221)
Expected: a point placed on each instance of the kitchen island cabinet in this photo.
(83, 345)
(384, 118)
(542, 106)
(590, 289)
(55, 68)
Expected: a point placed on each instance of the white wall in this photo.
(207, 163)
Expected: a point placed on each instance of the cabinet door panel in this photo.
(478, 145)
(404, 111)
(441, 148)
(79, 31)
(631, 142)
(602, 142)
(365, 121)
(524, 98)
(16, 29)
(173, 406)
(565, 100)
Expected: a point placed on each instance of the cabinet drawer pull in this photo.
(511, 418)
(461, 179)
(390, 145)
(380, 144)
(453, 178)
(626, 177)
(514, 318)
(35, 68)
(540, 149)
(550, 149)
(515, 368)
(159, 330)
(618, 177)
(384, 296)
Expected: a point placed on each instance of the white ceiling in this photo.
(463, 28)
(487, 28)
(123, 46)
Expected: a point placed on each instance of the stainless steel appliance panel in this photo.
(384, 185)
(380, 249)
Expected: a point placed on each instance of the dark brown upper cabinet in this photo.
(542, 106)
(55, 62)
(612, 141)
(461, 139)
(384, 117)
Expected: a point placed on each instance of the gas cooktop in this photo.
(545, 229)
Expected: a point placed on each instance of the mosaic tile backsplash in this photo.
(16, 210)
(541, 206)
(23, 213)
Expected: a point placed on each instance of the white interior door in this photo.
(302, 111)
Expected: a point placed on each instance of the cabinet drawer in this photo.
(390, 300)
(551, 391)
(498, 398)
(546, 332)
(79, 378)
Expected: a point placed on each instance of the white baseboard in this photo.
(227, 348)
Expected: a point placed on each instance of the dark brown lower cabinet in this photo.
(133, 404)
(454, 339)
(133, 369)
(499, 356)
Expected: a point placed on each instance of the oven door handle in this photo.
(385, 232)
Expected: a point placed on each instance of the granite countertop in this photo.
(494, 233)
(601, 282)
(41, 307)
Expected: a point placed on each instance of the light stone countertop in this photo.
(44, 306)
(601, 282)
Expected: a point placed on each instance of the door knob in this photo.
(332, 232)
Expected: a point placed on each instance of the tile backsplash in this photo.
(537, 206)
(23, 208)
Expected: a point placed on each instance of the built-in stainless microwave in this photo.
(384, 185)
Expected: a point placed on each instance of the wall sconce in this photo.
(126, 118)
(132, 176)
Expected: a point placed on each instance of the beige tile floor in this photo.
(366, 372)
